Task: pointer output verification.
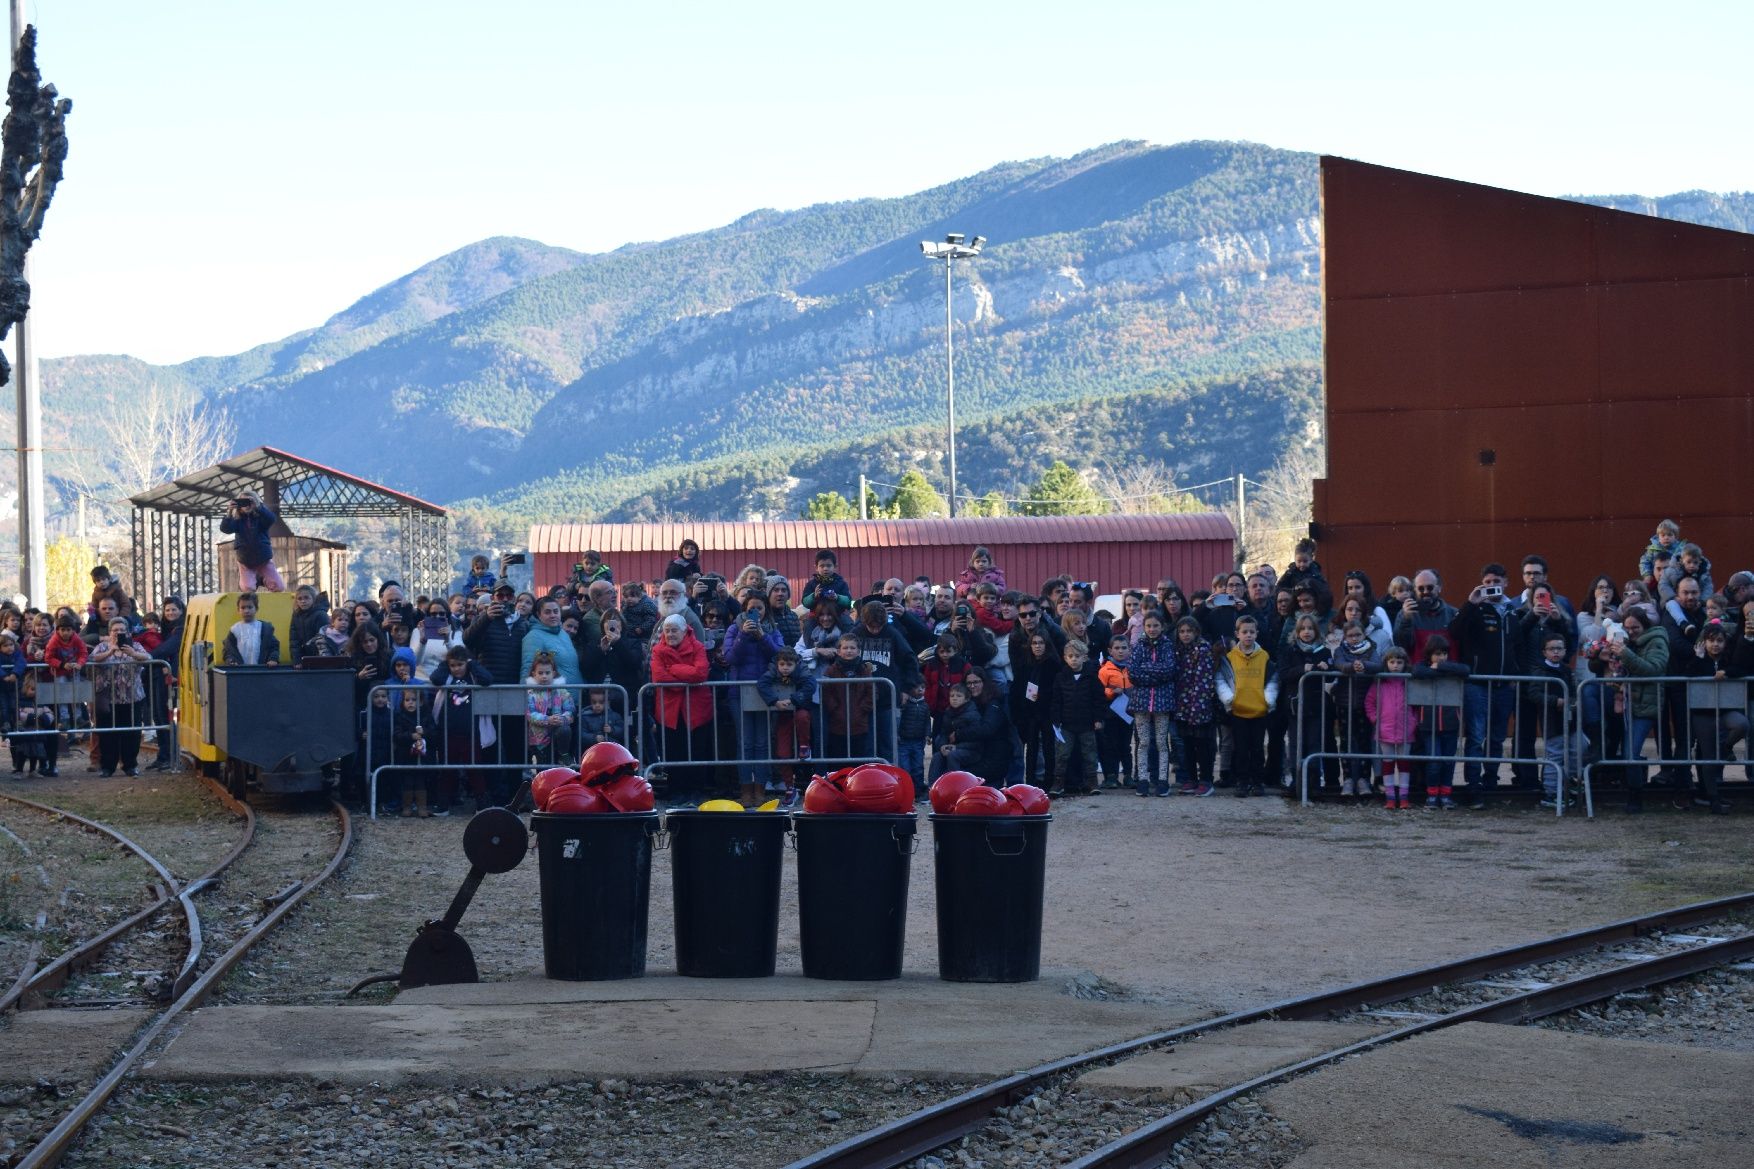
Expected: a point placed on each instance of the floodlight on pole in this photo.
(950, 251)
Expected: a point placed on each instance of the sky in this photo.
(242, 170)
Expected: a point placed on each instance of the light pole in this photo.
(950, 251)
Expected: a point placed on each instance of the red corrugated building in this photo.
(1116, 552)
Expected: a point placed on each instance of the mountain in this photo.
(1134, 301)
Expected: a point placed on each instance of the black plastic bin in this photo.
(596, 880)
(725, 886)
(991, 873)
(852, 893)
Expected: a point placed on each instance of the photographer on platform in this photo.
(248, 522)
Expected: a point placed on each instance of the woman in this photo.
(1032, 691)
(1644, 654)
(989, 735)
(1371, 619)
(370, 657)
(1599, 604)
(118, 688)
(820, 633)
(682, 707)
(432, 639)
(161, 682)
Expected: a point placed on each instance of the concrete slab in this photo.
(537, 1030)
(1228, 1057)
(1523, 1098)
(64, 1044)
(516, 1044)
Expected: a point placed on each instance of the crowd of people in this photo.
(1260, 681)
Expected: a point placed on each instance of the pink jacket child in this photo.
(1386, 707)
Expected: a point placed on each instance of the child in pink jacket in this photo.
(1387, 709)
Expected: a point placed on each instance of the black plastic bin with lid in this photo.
(725, 886)
(596, 882)
(991, 874)
(852, 893)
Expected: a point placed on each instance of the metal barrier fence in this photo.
(1695, 723)
(112, 697)
(1497, 700)
(761, 737)
(507, 728)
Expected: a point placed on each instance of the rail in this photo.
(503, 728)
(846, 721)
(1477, 702)
(1686, 715)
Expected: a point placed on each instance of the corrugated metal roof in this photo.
(307, 488)
(780, 535)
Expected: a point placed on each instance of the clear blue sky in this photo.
(242, 170)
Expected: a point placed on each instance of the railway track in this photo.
(1661, 956)
(196, 979)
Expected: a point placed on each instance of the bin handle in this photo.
(1005, 832)
(905, 845)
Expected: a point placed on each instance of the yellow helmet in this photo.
(721, 806)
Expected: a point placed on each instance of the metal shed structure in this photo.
(176, 524)
(1114, 551)
(1511, 374)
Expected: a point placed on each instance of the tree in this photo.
(1063, 491)
(830, 505)
(1145, 488)
(874, 506)
(67, 567)
(991, 504)
(1281, 507)
(916, 498)
(158, 436)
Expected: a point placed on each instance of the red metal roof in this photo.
(779, 535)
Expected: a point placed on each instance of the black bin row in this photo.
(852, 893)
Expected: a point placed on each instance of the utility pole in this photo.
(864, 512)
(32, 545)
(950, 251)
(1242, 521)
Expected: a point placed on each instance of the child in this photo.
(250, 642)
(1668, 535)
(377, 728)
(955, 750)
(1114, 746)
(1690, 562)
(1440, 726)
(1385, 706)
(847, 706)
(946, 668)
(788, 692)
(1715, 731)
(1356, 660)
(827, 582)
(913, 726)
(408, 737)
(599, 722)
(550, 712)
(460, 735)
(151, 634)
(1196, 708)
(1312, 715)
(1543, 705)
(480, 576)
(1248, 690)
(1077, 720)
(1152, 668)
(12, 671)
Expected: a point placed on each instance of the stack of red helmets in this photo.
(607, 780)
(960, 793)
(865, 787)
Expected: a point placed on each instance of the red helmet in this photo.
(823, 797)
(577, 800)
(1030, 800)
(546, 783)
(628, 793)
(984, 801)
(605, 761)
(872, 789)
(948, 788)
(904, 786)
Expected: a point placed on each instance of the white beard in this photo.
(668, 607)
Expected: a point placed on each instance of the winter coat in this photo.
(1647, 656)
(599, 728)
(891, 657)
(1196, 684)
(552, 705)
(681, 568)
(65, 654)
(940, 676)
(1299, 659)
(1152, 668)
(429, 651)
(814, 636)
(983, 731)
(1026, 713)
(250, 535)
(835, 586)
(1078, 704)
(452, 707)
(1675, 573)
(623, 663)
(747, 655)
(1386, 707)
(676, 707)
(1532, 630)
(498, 644)
(1352, 688)
(1482, 637)
(641, 618)
(847, 707)
(799, 689)
(1412, 632)
(306, 624)
(557, 642)
(969, 579)
(270, 648)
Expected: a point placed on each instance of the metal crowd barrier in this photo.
(1673, 724)
(746, 735)
(39, 702)
(504, 708)
(1317, 712)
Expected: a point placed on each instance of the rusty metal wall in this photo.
(1509, 374)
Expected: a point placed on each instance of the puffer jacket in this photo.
(1648, 657)
(1196, 689)
(1386, 706)
(676, 706)
(1353, 688)
(1152, 667)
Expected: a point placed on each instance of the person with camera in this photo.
(1482, 638)
(119, 688)
(248, 522)
(1423, 615)
(395, 614)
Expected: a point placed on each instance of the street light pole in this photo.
(950, 251)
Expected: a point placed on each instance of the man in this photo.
(248, 522)
(1535, 573)
(98, 628)
(547, 634)
(1423, 615)
(600, 599)
(396, 610)
(888, 652)
(496, 635)
(1481, 639)
(673, 600)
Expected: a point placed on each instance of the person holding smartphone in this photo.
(248, 522)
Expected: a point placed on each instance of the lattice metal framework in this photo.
(175, 523)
